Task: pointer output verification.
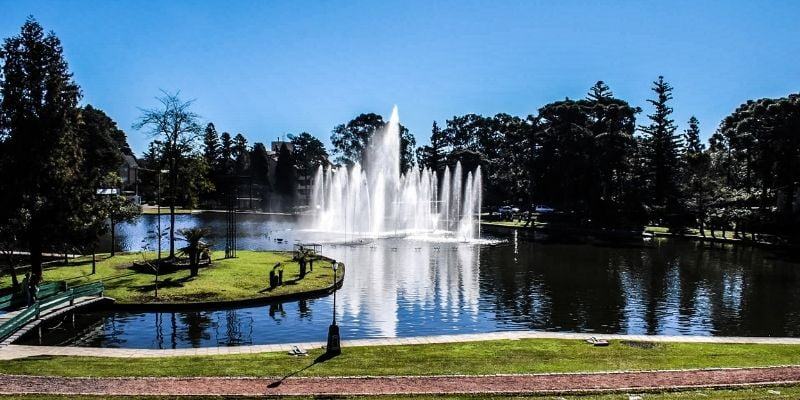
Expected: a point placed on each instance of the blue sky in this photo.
(268, 68)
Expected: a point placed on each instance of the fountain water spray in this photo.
(377, 200)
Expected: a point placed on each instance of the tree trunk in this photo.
(113, 243)
(172, 230)
(702, 226)
(12, 271)
(173, 185)
(35, 249)
(193, 263)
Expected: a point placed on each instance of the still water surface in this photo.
(403, 287)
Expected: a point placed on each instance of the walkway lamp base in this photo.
(334, 347)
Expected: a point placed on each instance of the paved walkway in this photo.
(408, 385)
(18, 351)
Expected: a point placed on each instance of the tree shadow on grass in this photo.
(319, 360)
(166, 283)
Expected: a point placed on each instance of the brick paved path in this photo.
(537, 383)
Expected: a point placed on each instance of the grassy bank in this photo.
(649, 229)
(153, 210)
(244, 277)
(490, 357)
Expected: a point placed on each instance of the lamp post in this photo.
(334, 346)
(158, 213)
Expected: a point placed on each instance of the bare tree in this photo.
(179, 132)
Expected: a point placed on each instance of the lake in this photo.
(398, 287)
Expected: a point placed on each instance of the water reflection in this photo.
(397, 287)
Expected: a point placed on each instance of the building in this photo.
(129, 172)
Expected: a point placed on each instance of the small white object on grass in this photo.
(773, 391)
(634, 397)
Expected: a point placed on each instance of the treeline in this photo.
(213, 170)
(596, 163)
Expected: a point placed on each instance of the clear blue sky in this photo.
(267, 68)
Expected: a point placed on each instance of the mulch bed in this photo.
(536, 383)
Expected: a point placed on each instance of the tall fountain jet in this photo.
(377, 200)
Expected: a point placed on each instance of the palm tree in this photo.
(194, 246)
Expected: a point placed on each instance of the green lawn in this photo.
(650, 229)
(151, 210)
(491, 357)
(244, 277)
(512, 224)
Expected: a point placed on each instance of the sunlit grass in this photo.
(470, 358)
(244, 277)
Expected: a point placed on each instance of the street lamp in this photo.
(158, 211)
(334, 346)
(158, 208)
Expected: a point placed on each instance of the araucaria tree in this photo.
(759, 144)
(433, 156)
(661, 151)
(40, 153)
(178, 131)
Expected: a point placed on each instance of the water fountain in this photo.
(377, 200)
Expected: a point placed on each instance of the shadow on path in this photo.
(319, 360)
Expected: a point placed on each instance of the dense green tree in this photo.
(179, 130)
(41, 152)
(226, 148)
(583, 152)
(103, 142)
(104, 145)
(433, 156)
(238, 146)
(350, 140)
(507, 160)
(119, 210)
(285, 180)
(691, 138)
(612, 123)
(212, 151)
(761, 142)
(699, 185)
(563, 163)
(259, 164)
(662, 148)
(240, 154)
(309, 154)
(469, 132)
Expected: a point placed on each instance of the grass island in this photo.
(244, 278)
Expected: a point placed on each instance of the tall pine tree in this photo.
(41, 152)
(662, 148)
(211, 147)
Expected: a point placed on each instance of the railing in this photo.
(31, 313)
(45, 290)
